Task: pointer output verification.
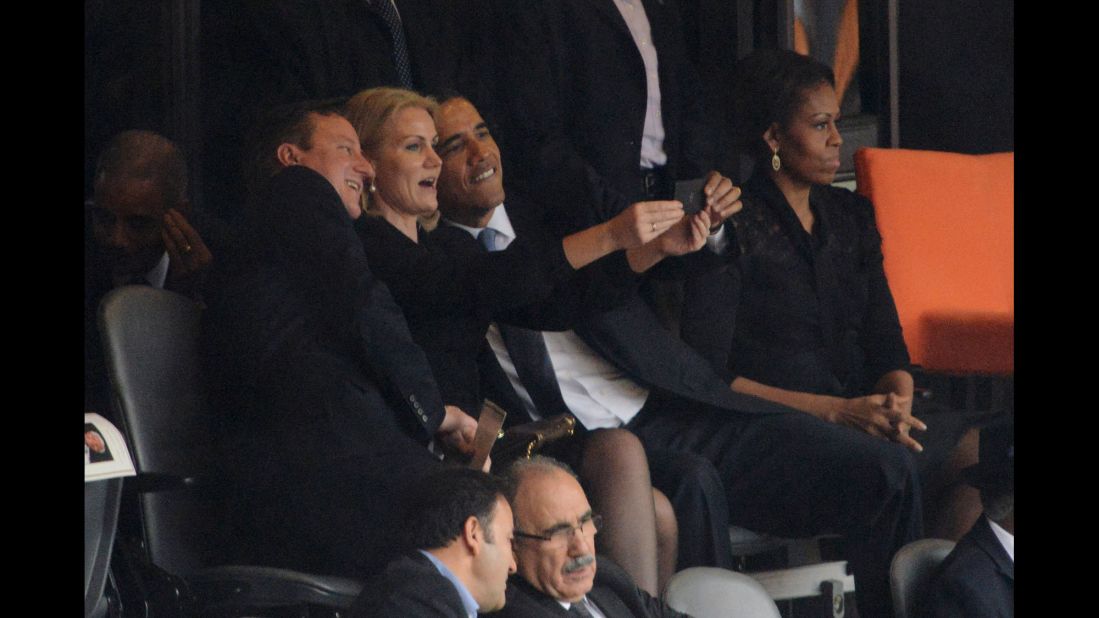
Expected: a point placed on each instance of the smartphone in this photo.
(690, 193)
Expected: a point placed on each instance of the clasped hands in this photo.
(887, 416)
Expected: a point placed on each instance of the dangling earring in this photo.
(776, 163)
(373, 187)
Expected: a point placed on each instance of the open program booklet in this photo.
(105, 452)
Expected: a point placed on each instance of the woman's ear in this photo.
(771, 137)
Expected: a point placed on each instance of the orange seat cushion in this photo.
(948, 234)
(968, 342)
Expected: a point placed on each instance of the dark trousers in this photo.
(693, 486)
(793, 475)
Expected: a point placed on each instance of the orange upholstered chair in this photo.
(948, 226)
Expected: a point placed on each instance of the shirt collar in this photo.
(468, 602)
(159, 273)
(156, 276)
(499, 222)
(1006, 538)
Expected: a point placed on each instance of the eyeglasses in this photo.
(561, 535)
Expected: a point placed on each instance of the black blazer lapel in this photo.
(988, 542)
(609, 603)
(632, 338)
(496, 386)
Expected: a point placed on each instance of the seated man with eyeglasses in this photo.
(555, 552)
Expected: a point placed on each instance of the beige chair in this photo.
(911, 573)
(708, 592)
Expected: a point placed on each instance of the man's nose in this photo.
(476, 151)
(362, 166)
(579, 544)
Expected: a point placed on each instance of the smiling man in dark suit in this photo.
(471, 198)
(326, 404)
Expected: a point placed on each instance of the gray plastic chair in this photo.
(150, 338)
(708, 592)
(101, 500)
(911, 571)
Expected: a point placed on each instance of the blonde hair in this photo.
(369, 110)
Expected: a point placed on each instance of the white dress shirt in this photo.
(652, 139)
(156, 276)
(1006, 538)
(595, 391)
(588, 605)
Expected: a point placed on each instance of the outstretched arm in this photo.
(632, 228)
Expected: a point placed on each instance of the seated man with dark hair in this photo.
(136, 231)
(977, 579)
(555, 550)
(324, 404)
(458, 527)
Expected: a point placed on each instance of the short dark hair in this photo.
(770, 85)
(446, 95)
(441, 502)
(284, 124)
(144, 156)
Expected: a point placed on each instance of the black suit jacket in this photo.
(450, 289)
(410, 587)
(575, 103)
(977, 579)
(324, 403)
(605, 310)
(603, 284)
(614, 593)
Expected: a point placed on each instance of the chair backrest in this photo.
(101, 500)
(708, 592)
(948, 227)
(911, 571)
(150, 338)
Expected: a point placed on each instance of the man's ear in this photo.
(771, 136)
(288, 154)
(473, 535)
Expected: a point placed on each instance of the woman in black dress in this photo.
(450, 303)
(805, 312)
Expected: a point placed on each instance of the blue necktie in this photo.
(527, 349)
(388, 12)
